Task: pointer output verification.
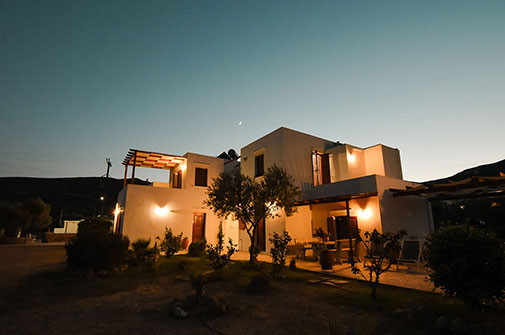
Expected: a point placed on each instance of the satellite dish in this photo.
(232, 154)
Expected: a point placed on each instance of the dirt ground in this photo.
(56, 302)
(18, 261)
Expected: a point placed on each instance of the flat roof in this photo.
(153, 160)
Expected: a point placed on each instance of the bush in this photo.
(380, 249)
(215, 254)
(95, 247)
(171, 243)
(467, 262)
(280, 249)
(142, 255)
(197, 248)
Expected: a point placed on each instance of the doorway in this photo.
(198, 227)
(260, 235)
(339, 229)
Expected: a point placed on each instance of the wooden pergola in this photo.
(473, 187)
(149, 159)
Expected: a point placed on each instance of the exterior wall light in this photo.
(365, 214)
(350, 157)
(161, 211)
(183, 167)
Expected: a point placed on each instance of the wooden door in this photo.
(260, 235)
(198, 227)
(345, 228)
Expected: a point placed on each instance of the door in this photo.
(198, 226)
(260, 235)
(340, 229)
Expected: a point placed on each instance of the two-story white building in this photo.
(337, 181)
(336, 178)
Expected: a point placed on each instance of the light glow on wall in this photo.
(183, 167)
(350, 157)
(161, 211)
(365, 213)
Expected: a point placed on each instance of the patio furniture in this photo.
(317, 247)
(412, 252)
(344, 247)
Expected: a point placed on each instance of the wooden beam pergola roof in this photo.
(153, 160)
(339, 198)
(473, 187)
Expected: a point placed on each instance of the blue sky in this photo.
(84, 80)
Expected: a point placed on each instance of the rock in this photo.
(458, 326)
(442, 324)
(179, 313)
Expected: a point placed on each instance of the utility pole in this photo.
(109, 165)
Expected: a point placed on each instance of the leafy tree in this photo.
(467, 262)
(38, 218)
(31, 216)
(250, 201)
(279, 251)
(380, 250)
(215, 254)
(171, 243)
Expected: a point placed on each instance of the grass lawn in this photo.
(135, 301)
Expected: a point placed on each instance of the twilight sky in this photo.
(84, 80)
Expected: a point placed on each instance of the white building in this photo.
(334, 178)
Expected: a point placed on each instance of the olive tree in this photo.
(250, 201)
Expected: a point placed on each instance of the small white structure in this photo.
(338, 181)
(69, 227)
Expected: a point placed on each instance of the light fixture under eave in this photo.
(350, 157)
(365, 213)
(183, 167)
(161, 211)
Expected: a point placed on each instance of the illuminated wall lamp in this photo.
(161, 211)
(350, 157)
(365, 214)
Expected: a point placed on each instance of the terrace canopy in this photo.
(149, 159)
(473, 187)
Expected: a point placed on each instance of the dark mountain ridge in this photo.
(72, 198)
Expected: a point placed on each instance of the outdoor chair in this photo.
(316, 249)
(344, 248)
(411, 252)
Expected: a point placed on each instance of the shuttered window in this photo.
(259, 166)
(200, 177)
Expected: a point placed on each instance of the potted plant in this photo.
(325, 256)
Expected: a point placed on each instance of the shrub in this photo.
(279, 250)
(95, 247)
(467, 262)
(197, 248)
(380, 249)
(215, 254)
(142, 255)
(171, 243)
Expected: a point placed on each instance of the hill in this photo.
(73, 198)
(485, 170)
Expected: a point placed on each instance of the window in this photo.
(259, 166)
(200, 177)
(177, 181)
(320, 168)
